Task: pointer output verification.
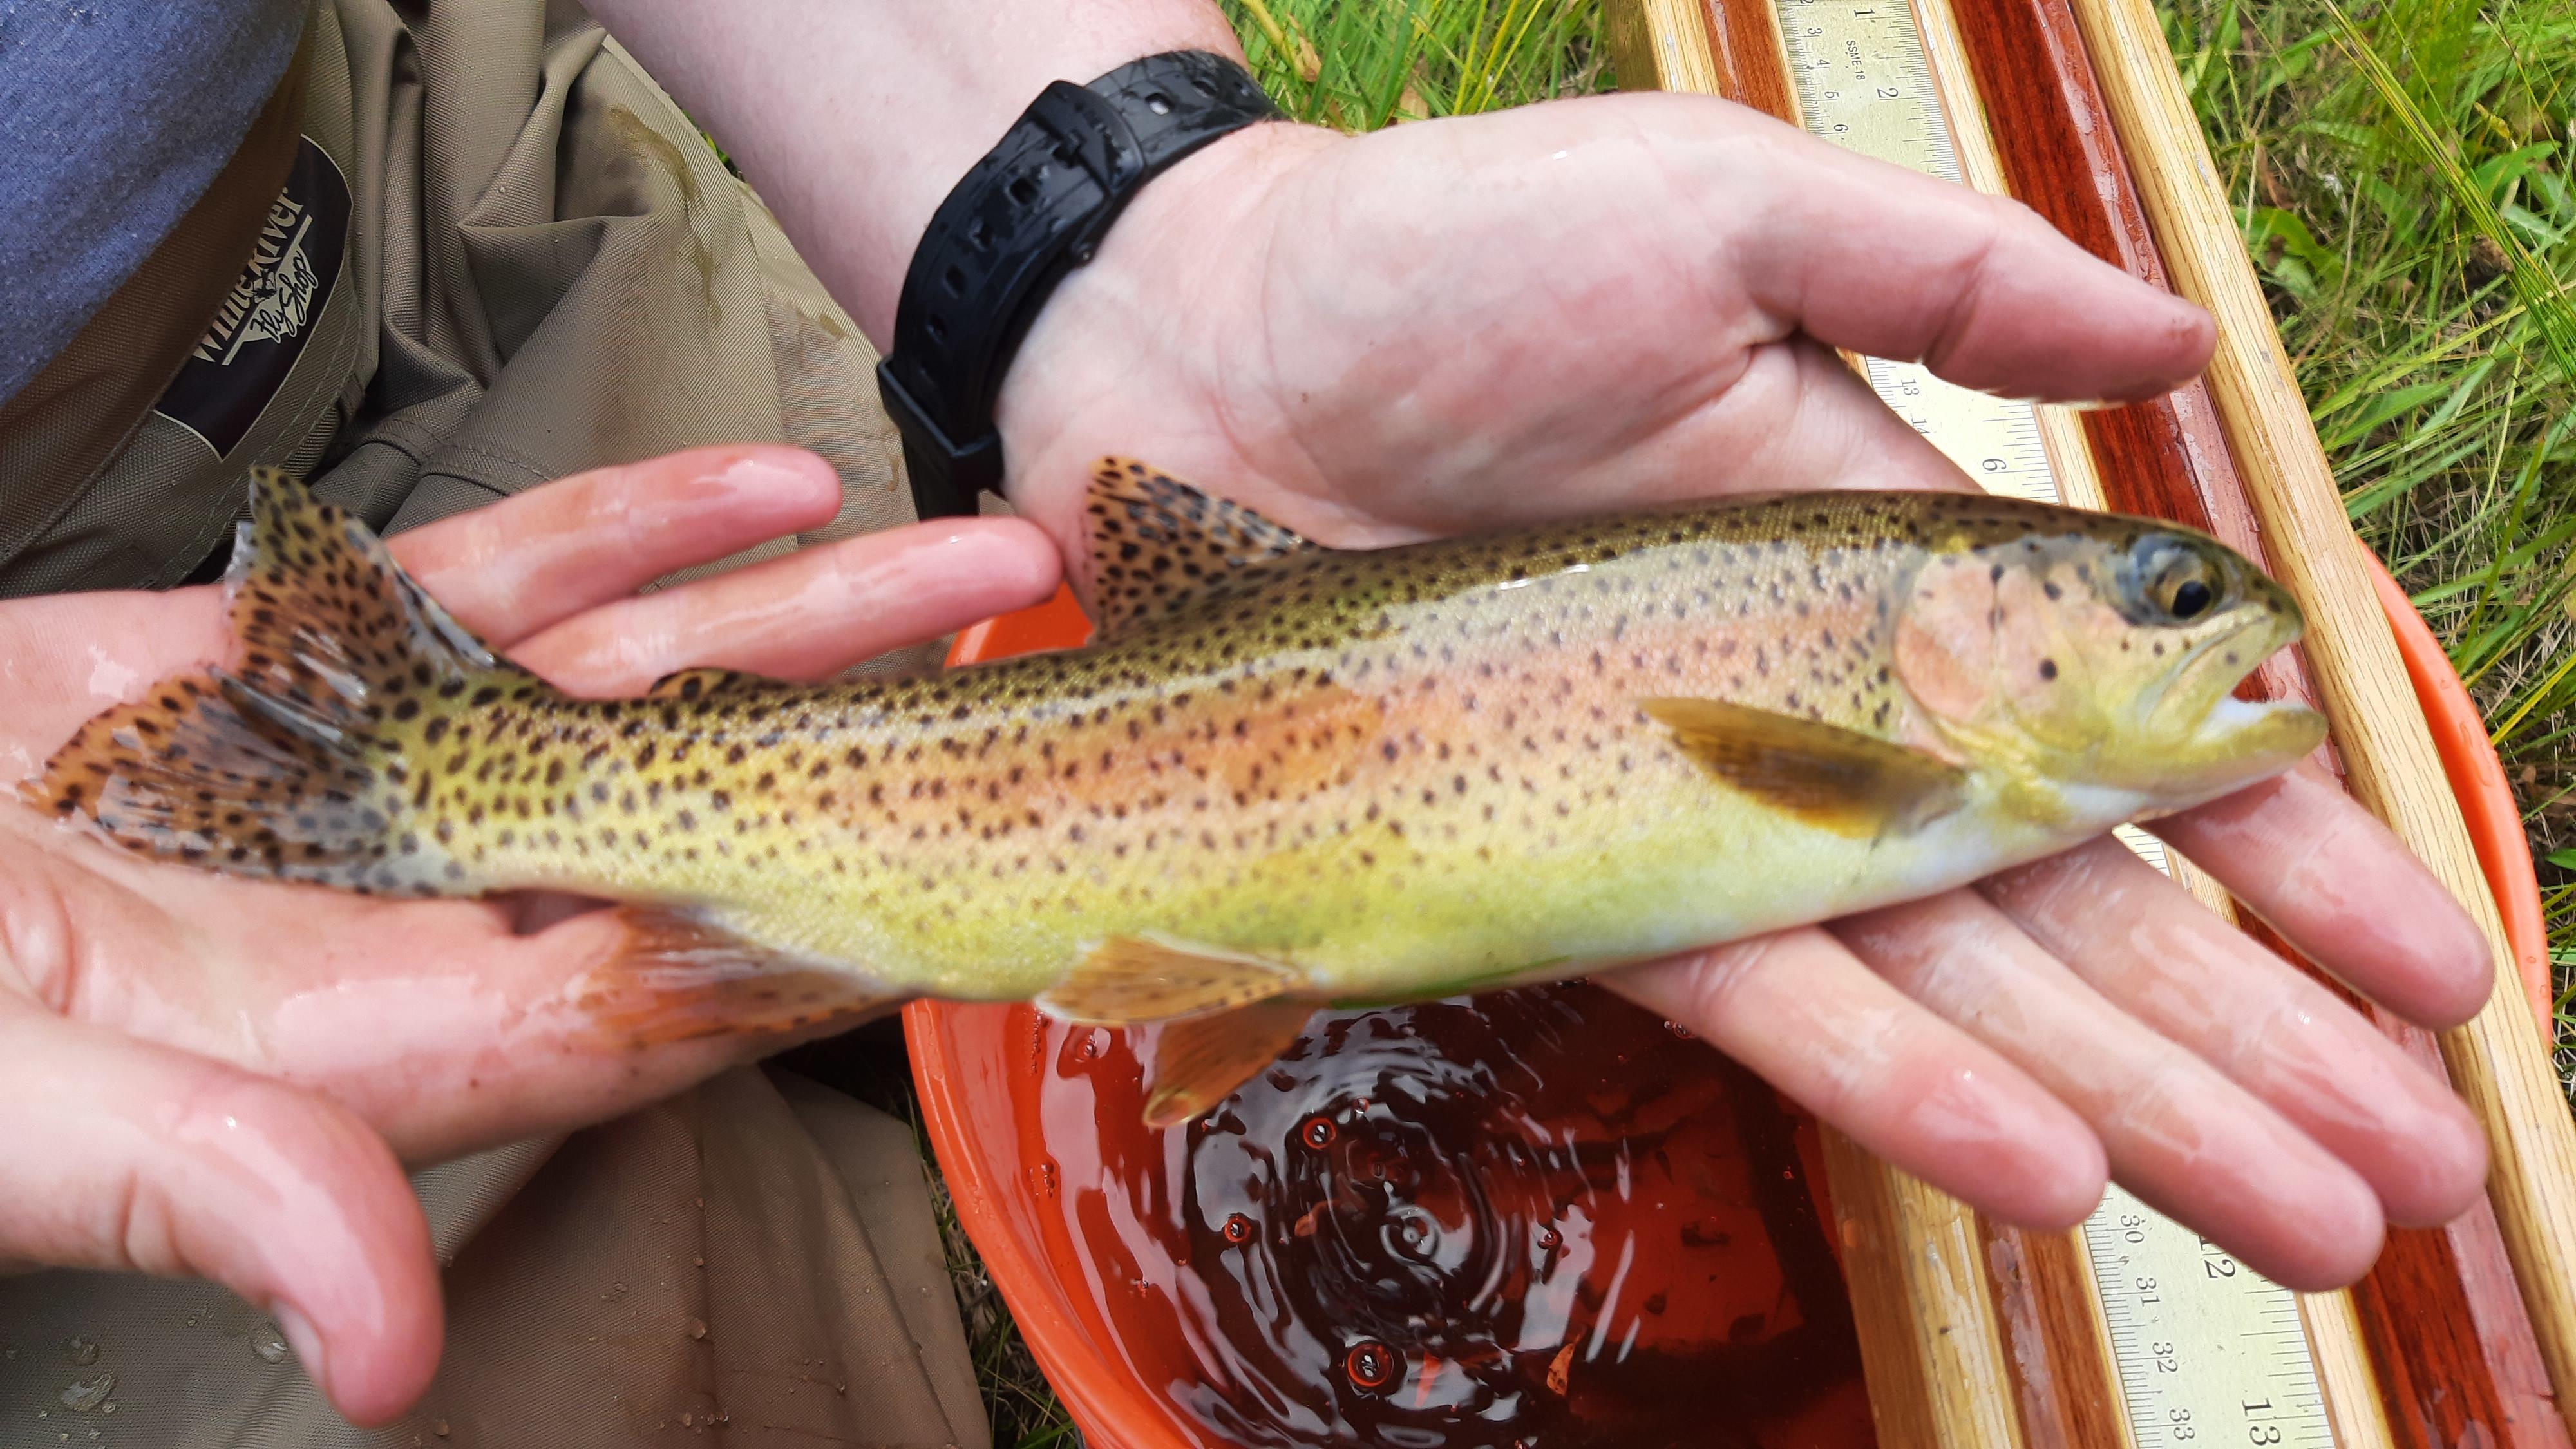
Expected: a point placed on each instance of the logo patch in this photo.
(262, 325)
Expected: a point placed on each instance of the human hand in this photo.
(1589, 304)
(210, 1076)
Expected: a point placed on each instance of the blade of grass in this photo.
(2540, 292)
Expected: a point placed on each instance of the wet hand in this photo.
(208, 1076)
(1574, 307)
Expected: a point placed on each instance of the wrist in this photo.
(943, 151)
(1033, 211)
(1128, 348)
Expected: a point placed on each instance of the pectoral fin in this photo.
(1837, 779)
(1199, 1062)
(1139, 978)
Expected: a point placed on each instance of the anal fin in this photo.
(682, 976)
(1200, 1060)
(1834, 778)
(1141, 978)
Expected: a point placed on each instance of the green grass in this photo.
(1360, 64)
(2402, 175)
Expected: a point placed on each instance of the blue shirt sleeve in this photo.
(114, 118)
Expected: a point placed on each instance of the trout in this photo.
(1281, 776)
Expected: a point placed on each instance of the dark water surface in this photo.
(1538, 1220)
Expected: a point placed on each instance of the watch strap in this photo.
(1033, 209)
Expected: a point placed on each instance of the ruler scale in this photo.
(2206, 1352)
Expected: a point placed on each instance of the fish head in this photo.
(2103, 651)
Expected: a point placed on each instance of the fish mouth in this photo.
(2227, 741)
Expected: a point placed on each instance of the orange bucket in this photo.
(966, 1059)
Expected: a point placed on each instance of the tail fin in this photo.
(300, 762)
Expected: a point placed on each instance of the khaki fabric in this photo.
(60, 432)
(754, 1260)
(545, 270)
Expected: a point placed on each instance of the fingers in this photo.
(810, 614)
(2322, 871)
(129, 1156)
(443, 1026)
(1798, 419)
(66, 657)
(466, 1033)
(505, 572)
(1877, 259)
(2225, 1088)
(2178, 1132)
(527, 562)
(1799, 1010)
(2140, 942)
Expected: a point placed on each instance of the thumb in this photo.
(125, 1155)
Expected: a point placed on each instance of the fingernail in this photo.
(306, 1343)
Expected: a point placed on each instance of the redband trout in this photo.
(1282, 776)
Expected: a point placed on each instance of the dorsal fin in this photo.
(1159, 546)
(692, 684)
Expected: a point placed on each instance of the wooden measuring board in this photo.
(2134, 1331)
(2181, 1345)
(2193, 1350)
(2202, 1348)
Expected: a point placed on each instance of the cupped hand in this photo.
(1463, 324)
(207, 1076)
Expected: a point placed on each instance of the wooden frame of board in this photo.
(1975, 1334)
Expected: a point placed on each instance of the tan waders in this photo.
(462, 254)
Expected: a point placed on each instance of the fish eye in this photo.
(2171, 582)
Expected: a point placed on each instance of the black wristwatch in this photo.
(1033, 209)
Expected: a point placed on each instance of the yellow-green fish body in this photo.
(1287, 774)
